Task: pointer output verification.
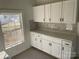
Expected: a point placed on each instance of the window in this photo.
(12, 29)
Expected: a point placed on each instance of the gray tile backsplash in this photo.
(53, 27)
(57, 27)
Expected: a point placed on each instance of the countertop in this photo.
(67, 36)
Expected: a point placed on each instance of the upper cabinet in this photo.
(47, 13)
(56, 9)
(38, 13)
(58, 12)
(68, 11)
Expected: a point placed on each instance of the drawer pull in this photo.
(62, 48)
(40, 40)
(50, 44)
(44, 19)
(49, 19)
(66, 44)
(35, 39)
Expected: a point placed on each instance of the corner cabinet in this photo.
(36, 40)
(38, 13)
(58, 12)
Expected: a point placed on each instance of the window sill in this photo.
(13, 45)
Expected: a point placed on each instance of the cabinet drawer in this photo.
(56, 40)
(67, 43)
(52, 39)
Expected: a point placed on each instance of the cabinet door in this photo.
(68, 11)
(66, 54)
(39, 43)
(66, 51)
(34, 42)
(33, 39)
(46, 47)
(38, 13)
(56, 50)
(47, 13)
(56, 9)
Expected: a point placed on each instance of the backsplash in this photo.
(57, 26)
(52, 26)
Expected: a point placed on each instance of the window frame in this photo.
(21, 25)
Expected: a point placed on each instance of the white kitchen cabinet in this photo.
(68, 11)
(56, 9)
(56, 47)
(56, 50)
(52, 46)
(36, 40)
(47, 13)
(33, 39)
(41, 13)
(58, 12)
(66, 50)
(46, 46)
(38, 13)
(39, 42)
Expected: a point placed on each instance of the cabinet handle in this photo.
(40, 40)
(66, 44)
(49, 19)
(44, 19)
(38, 35)
(62, 19)
(62, 48)
(50, 44)
(35, 39)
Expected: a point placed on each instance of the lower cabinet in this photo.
(66, 51)
(39, 43)
(51, 46)
(56, 50)
(36, 40)
(46, 45)
(33, 39)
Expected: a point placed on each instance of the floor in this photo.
(33, 53)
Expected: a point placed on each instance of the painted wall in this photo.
(26, 6)
(78, 39)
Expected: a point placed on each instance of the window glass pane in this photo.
(11, 28)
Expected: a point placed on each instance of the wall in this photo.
(1, 41)
(78, 39)
(26, 6)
